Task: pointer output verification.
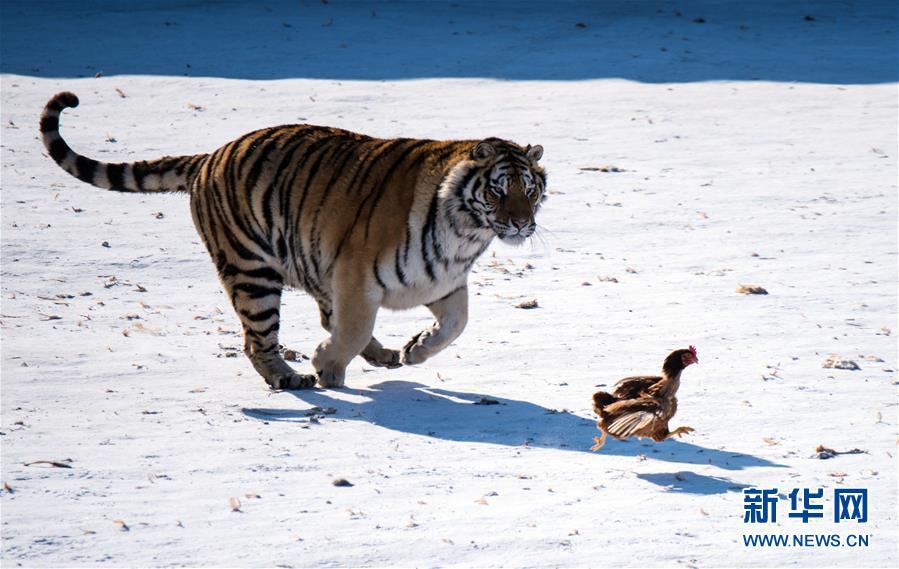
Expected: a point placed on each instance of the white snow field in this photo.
(754, 147)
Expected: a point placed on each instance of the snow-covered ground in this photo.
(755, 147)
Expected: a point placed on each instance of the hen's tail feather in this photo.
(600, 400)
(167, 174)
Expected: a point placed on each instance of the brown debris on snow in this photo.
(751, 289)
(824, 452)
(834, 361)
(292, 355)
(528, 304)
(486, 401)
(321, 411)
(51, 463)
(606, 169)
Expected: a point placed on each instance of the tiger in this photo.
(359, 223)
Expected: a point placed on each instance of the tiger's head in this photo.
(506, 189)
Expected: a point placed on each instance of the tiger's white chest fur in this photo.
(436, 257)
(417, 295)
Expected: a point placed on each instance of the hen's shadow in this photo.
(414, 408)
(692, 483)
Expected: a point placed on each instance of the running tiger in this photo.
(357, 222)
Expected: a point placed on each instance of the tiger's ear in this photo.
(483, 151)
(535, 153)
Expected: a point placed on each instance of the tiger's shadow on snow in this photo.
(418, 409)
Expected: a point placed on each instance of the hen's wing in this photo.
(634, 387)
(632, 417)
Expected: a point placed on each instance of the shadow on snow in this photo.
(417, 409)
(691, 483)
(827, 41)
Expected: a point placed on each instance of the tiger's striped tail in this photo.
(167, 174)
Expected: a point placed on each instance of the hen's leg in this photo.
(680, 431)
(598, 442)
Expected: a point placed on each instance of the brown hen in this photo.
(641, 406)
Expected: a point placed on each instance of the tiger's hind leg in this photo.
(252, 284)
(258, 306)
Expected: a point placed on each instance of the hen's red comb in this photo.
(693, 351)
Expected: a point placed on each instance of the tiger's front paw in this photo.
(292, 381)
(330, 378)
(415, 352)
(384, 357)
